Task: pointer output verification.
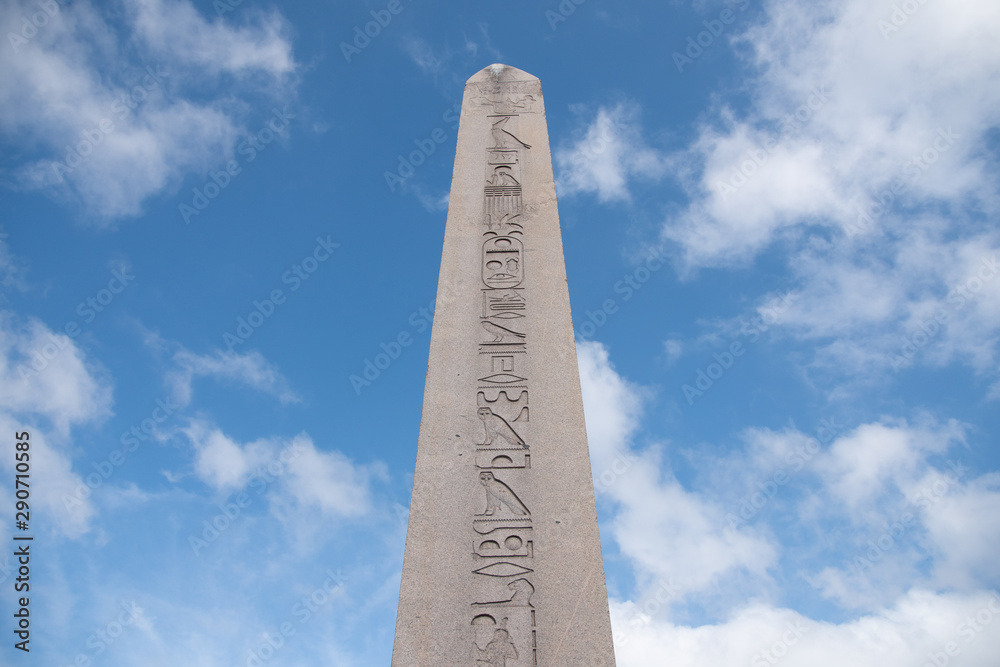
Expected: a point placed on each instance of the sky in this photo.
(218, 220)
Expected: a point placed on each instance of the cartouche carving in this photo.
(503, 262)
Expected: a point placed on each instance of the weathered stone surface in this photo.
(503, 559)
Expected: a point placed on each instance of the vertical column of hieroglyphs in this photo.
(501, 612)
(503, 565)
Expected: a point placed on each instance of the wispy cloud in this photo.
(113, 114)
(250, 369)
(609, 152)
(308, 477)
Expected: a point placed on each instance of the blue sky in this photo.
(780, 230)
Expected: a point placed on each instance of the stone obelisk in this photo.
(503, 565)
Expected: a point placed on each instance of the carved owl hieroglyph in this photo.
(497, 494)
(497, 427)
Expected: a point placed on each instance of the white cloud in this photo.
(879, 520)
(47, 387)
(867, 105)
(222, 463)
(674, 534)
(329, 481)
(919, 625)
(859, 156)
(673, 349)
(924, 300)
(612, 405)
(859, 466)
(55, 487)
(44, 373)
(175, 30)
(117, 118)
(305, 475)
(251, 369)
(667, 531)
(963, 525)
(889, 506)
(421, 52)
(609, 153)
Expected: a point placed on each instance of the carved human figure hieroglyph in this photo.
(499, 649)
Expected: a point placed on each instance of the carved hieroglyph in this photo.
(502, 459)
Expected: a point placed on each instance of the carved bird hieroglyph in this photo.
(499, 333)
(497, 427)
(497, 494)
(504, 139)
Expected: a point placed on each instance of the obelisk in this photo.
(502, 566)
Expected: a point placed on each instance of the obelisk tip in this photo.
(498, 72)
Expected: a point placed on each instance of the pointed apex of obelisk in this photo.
(498, 72)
